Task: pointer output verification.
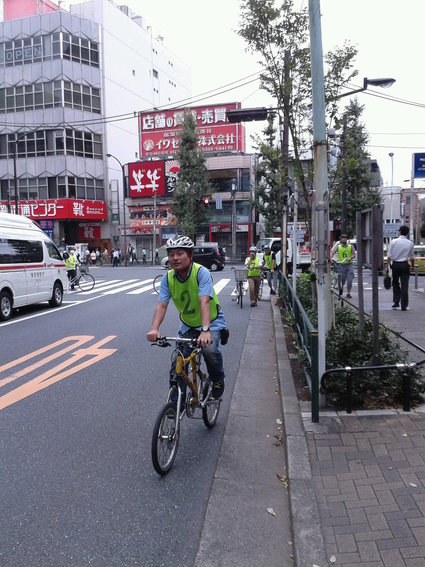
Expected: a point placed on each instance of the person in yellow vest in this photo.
(190, 287)
(269, 262)
(253, 265)
(71, 266)
(345, 254)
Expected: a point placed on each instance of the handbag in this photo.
(387, 281)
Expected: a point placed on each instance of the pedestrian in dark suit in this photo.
(399, 253)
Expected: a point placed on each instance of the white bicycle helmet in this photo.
(253, 249)
(179, 242)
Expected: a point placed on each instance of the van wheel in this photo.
(214, 267)
(5, 306)
(57, 295)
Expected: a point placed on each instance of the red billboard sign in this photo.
(146, 178)
(75, 209)
(159, 130)
(88, 231)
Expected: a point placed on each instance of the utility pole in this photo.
(234, 187)
(285, 162)
(320, 178)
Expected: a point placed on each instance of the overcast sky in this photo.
(387, 33)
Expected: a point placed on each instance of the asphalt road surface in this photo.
(80, 389)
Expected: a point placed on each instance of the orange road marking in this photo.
(76, 341)
(60, 371)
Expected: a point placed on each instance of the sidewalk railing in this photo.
(405, 370)
(309, 338)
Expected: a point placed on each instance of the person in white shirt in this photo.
(399, 253)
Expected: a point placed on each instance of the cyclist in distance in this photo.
(190, 287)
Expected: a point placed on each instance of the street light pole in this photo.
(124, 192)
(391, 154)
(234, 187)
(154, 229)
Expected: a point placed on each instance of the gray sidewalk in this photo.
(356, 483)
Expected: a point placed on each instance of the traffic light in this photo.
(206, 201)
(247, 114)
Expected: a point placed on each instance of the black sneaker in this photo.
(272, 292)
(217, 390)
(349, 295)
(396, 306)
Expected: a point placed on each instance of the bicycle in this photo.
(241, 276)
(157, 282)
(166, 431)
(263, 277)
(83, 280)
(336, 279)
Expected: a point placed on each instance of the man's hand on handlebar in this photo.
(153, 335)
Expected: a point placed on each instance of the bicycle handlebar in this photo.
(164, 341)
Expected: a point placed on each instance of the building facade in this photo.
(72, 85)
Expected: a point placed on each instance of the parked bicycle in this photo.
(185, 370)
(83, 280)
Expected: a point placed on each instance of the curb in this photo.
(309, 548)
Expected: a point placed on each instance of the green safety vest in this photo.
(269, 261)
(186, 298)
(344, 254)
(254, 271)
(71, 262)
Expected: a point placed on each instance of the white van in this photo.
(31, 267)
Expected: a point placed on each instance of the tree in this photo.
(193, 185)
(269, 197)
(352, 168)
(279, 34)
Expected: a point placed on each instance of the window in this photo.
(14, 251)
(53, 251)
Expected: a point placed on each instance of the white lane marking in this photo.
(102, 289)
(220, 285)
(141, 290)
(120, 289)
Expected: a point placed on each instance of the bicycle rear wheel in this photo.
(157, 282)
(165, 439)
(86, 282)
(210, 411)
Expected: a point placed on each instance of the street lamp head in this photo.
(391, 154)
(383, 83)
(108, 155)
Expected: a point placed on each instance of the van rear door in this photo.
(35, 270)
(13, 269)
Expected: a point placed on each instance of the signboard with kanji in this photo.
(147, 178)
(418, 165)
(159, 130)
(74, 209)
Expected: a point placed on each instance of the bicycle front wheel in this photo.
(165, 439)
(241, 292)
(211, 409)
(157, 282)
(86, 282)
(260, 289)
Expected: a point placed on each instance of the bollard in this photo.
(349, 392)
(406, 390)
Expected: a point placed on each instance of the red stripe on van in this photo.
(13, 267)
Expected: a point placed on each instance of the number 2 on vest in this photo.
(185, 297)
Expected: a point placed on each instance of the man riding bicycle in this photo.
(190, 287)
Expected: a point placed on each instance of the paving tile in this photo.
(368, 551)
(418, 562)
(418, 551)
(396, 543)
(346, 543)
(374, 536)
(419, 533)
(392, 558)
(377, 522)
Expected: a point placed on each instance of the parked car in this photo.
(303, 255)
(209, 254)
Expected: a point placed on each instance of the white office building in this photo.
(71, 84)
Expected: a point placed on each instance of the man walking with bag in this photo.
(399, 252)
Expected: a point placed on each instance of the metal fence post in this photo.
(315, 378)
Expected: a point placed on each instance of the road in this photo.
(79, 392)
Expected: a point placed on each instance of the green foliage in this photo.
(269, 196)
(279, 33)
(193, 184)
(347, 346)
(423, 231)
(352, 169)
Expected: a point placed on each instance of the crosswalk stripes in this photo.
(129, 287)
